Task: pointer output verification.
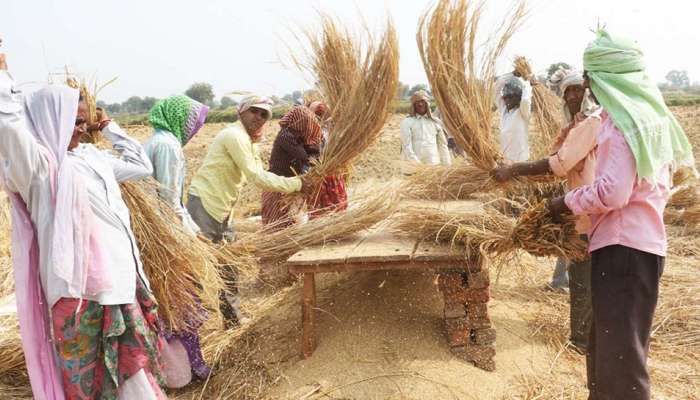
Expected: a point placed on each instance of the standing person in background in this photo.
(232, 160)
(513, 101)
(423, 139)
(88, 321)
(332, 195)
(175, 121)
(573, 157)
(638, 145)
(297, 143)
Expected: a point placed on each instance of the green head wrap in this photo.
(179, 115)
(615, 68)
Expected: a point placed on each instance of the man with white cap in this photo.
(423, 138)
(573, 157)
(232, 160)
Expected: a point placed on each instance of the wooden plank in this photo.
(329, 253)
(371, 266)
(431, 251)
(381, 247)
(308, 306)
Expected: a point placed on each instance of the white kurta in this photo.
(25, 170)
(514, 128)
(423, 141)
(169, 169)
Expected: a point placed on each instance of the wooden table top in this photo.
(377, 245)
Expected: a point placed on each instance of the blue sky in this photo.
(159, 47)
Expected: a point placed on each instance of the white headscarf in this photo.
(51, 113)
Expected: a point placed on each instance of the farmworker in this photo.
(88, 320)
(423, 139)
(332, 195)
(573, 157)
(297, 144)
(175, 121)
(232, 160)
(513, 101)
(639, 143)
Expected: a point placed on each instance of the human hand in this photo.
(502, 173)
(307, 185)
(557, 207)
(3, 62)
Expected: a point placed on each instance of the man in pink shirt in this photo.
(637, 143)
(573, 157)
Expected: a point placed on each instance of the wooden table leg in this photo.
(308, 304)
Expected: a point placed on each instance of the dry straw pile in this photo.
(89, 94)
(546, 109)
(7, 284)
(359, 82)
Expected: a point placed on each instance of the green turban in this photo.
(616, 71)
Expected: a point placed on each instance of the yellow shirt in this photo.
(231, 161)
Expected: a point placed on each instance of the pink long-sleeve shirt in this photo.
(623, 209)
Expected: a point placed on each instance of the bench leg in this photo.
(308, 304)
(469, 331)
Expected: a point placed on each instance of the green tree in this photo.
(403, 90)
(420, 86)
(227, 102)
(133, 104)
(202, 92)
(678, 79)
(555, 67)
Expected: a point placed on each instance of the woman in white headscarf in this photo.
(87, 318)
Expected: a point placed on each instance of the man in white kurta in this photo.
(423, 138)
(513, 100)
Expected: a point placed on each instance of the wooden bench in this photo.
(380, 250)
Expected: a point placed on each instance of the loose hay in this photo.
(362, 213)
(180, 268)
(461, 181)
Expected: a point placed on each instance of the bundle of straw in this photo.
(12, 365)
(181, 269)
(462, 85)
(361, 214)
(546, 109)
(90, 99)
(7, 281)
(491, 233)
(359, 87)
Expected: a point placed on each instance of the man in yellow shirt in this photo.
(232, 160)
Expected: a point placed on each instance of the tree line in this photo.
(677, 81)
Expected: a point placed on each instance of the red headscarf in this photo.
(303, 121)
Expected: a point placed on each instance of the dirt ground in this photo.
(380, 335)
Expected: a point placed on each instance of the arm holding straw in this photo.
(249, 162)
(21, 159)
(131, 161)
(526, 101)
(574, 145)
(407, 141)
